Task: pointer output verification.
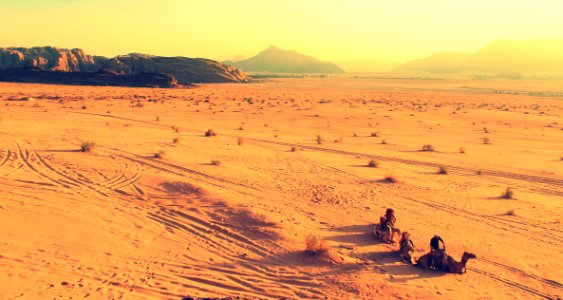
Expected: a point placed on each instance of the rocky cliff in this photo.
(50, 58)
(186, 70)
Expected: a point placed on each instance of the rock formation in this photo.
(276, 60)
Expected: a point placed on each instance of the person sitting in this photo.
(406, 249)
(437, 253)
(388, 220)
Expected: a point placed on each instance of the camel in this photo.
(406, 251)
(387, 234)
(452, 266)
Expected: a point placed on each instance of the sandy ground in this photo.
(229, 215)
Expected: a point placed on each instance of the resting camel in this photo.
(407, 248)
(452, 266)
(387, 234)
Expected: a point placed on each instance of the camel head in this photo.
(466, 256)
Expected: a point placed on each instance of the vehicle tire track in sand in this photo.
(510, 175)
(515, 285)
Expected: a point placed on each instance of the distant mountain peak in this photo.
(274, 59)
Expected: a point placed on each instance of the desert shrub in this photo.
(428, 148)
(461, 150)
(355, 134)
(508, 193)
(390, 179)
(510, 213)
(479, 172)
(375, 134)
(486, 141)
(315, 246)
(319, 139)
(159, 154)
(442, 170)
(176, 140)
(157, 119)
(383, 142)
(210, 133)
(339, 140)
(240, 141)
(485, 130)
(87, 146)
(216, 162)
(372, 163)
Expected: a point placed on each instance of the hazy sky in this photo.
(327, 29)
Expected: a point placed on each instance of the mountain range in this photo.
(276, 60)
(521, 57)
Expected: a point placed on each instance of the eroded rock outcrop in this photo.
(50, 58)
(186, 70)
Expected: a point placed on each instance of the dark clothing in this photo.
(438, 254)
(435, 243)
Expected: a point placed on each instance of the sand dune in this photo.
(116, 222)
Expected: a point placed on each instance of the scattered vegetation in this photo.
(210, 133)
(428, 148)
(176, 140)
(87, 146)
(461, 150)
(240, 141)
(375, 134)
(383, 142)
(372, 163)
(510, 213)
(390, 179)
(315, 246)
(508, 193)
(216, 162)
(319, 140)
(339, 140)
(486, 141)
(159, 154)
(442, 170)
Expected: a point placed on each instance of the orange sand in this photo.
(118, 223)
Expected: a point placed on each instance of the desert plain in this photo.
(158, 210)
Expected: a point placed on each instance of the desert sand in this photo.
(228, 215)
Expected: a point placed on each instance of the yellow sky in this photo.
(330, 29)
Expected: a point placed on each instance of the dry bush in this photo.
(355, 134)
(479, 172)
(372, 163)
(510, 213)
(159, 154)
(176, 140)
(157, 119)
(428, 148)
(319, 140)
(486, 141)
(508, 193)
(461, 150)
(315, 246)
(442, 170)
(240, 141)
(339, 140)
(216, 162)
(87, 146)
(383, 142)
(296, 148)
(375, 134)
(390, 179)
(210, 133)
